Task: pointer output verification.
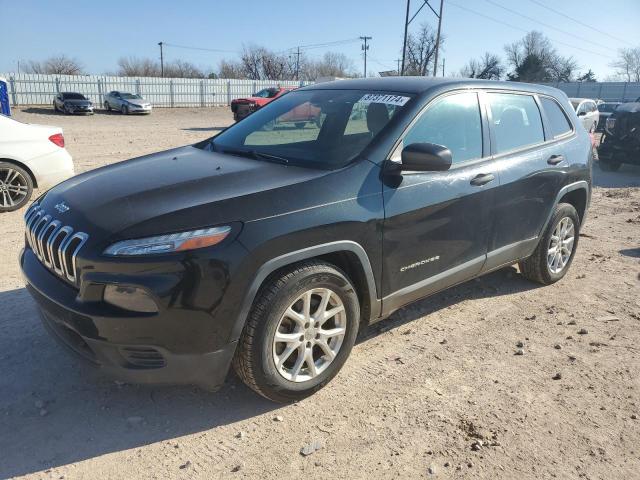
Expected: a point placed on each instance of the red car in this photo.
(300, 115)
(241, 107)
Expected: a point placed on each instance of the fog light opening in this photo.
(130, 298)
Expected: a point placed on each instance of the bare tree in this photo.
(332, 64)
(182, 69)
(628, 64)
(421, 49)
(58, 65)
(534, 59)
(231, 69)
(138, 67)
(489, 67)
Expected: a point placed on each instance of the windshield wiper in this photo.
(256, 155)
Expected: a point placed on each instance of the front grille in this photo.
(56, 245)
(143, 357)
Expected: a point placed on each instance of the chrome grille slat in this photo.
(50, 239)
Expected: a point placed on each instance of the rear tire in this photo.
(16, 187)
(311, 344)
(550, 261)
(107, 107)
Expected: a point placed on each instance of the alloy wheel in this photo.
(309, 335)
(13, 187)
(561, 245)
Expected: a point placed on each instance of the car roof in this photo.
(631, 107)
(418, 85)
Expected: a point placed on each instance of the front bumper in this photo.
(125, 345)
(139, 109)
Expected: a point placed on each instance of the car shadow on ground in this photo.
(627, 176)
(55, 410)
(505, 281)
(631, 252)
(41, 111)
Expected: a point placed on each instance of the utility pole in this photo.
(404, 44)
(297, 54)
(408, 20)
(443, 67)
(435, 63)
(161, 60)
(398, 60)
(365, 47)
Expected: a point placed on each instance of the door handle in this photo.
(555, 159)
(482, 179)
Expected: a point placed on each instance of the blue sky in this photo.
(98, 33)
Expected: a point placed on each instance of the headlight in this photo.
(173, 242)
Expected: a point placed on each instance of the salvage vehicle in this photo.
(587, 111)
(126, 103)
(270, 249)
(242, 107)
(31, 156)
(621, 140)
(70, 103)
(605, 110)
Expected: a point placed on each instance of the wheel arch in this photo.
(576, 194)
(24, 167)
(347, 255)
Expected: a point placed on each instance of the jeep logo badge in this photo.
(62, 207)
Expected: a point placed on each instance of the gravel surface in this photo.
(437, 391)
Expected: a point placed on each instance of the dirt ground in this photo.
(435, 391)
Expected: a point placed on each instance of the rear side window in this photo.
(558, 122)
(453, 121)
(516, 121)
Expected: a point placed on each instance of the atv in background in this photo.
(621, 141)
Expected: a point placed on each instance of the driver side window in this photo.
(453, 121)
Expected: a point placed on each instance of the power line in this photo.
(531, 19)
(199, 48)
(493, 19)
(579, 22)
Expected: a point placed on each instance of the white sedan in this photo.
(31, 156)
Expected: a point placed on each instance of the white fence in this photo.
(34, 89)
(611, 91)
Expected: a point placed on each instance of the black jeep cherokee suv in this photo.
(269, 245)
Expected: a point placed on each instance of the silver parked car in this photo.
(126, 103)
(587, 112)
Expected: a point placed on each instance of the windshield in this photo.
(315, 128)
(130, 96)
(266, 93)
(73, 96)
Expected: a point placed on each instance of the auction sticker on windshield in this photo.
(398, 100)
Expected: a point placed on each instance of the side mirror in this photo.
(426, 157)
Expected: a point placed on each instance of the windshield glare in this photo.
(314, 128)
(130, 96)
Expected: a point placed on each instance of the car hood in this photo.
(182, 188)
(78, 102)
(137, 101)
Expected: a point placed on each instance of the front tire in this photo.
(16, 187)
(299, 333)
(555, 251)
(124, 110)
